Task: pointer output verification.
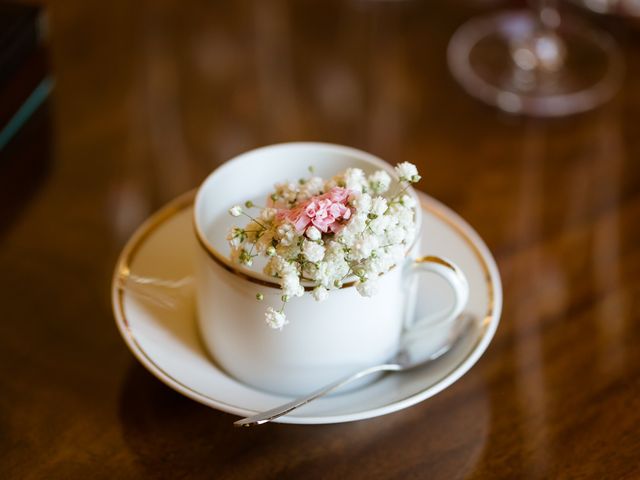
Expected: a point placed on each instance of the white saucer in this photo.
(165, 340)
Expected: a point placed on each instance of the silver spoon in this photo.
(409, 356)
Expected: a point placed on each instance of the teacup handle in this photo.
(456, 279)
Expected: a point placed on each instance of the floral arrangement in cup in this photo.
(320, 233)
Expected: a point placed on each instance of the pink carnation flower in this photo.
(323, 211)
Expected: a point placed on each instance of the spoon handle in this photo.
(274, 413)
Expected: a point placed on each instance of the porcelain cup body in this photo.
(323, 340)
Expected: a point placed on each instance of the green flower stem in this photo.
(247, 215)
(393, 199)
(282, 307)
(346, 275)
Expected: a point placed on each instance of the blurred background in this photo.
(153, 96)
(110, 109)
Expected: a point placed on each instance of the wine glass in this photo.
(622, 8)
(535, 62)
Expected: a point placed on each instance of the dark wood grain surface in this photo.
(151, 96)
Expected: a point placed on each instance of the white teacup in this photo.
(323, 340)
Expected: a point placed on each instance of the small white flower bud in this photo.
(320, 293)
(275, 319)
(313, 233)
(379, 206)
(235, 211)
(407, 172)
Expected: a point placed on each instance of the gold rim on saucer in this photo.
(185, 201)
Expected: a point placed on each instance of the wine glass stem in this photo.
(541, 50)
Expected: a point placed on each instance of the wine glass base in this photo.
(481, 58)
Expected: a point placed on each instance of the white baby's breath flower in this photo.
(346, 237)
(320, 293)
(395, 234)
(288, 251)
(356, 225)
(333, 250)
(375, 265)
(290, 284)
(354, 179)
(368, 288)
(408, 201)
(334, 266)
(379, 206)
(286, 234)
(363, 246)
(235, 211)
(380, 224)
(362, 203)
(327, 273)
(277, 266)
(339, 268)
(407, 172)
(284, 194)
(369, 268)
(405, 217)
(268, 214)
(313, 233)
(312, 250)
(322, 275)
(310, 188)
(379, 182)
(275, 319)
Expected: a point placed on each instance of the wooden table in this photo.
(151, 96)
